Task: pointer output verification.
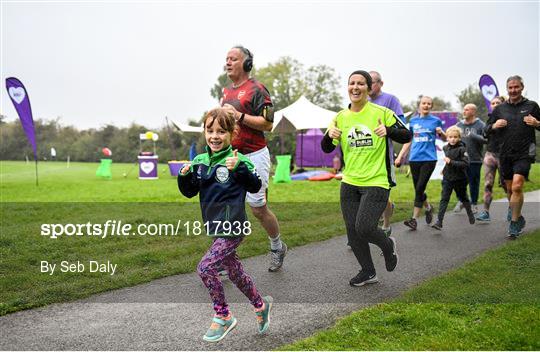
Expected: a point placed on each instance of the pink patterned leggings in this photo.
(222, 256)
(491, 165)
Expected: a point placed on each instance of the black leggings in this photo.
(460, 186)
(421, 172)
(361, 208)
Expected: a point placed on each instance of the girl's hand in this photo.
(447, 160)
(185, 168)
(231, 162)
(397, 161)
(439, 131)
(381, 129)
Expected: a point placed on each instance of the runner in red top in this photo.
(249, 102)
(251, 98)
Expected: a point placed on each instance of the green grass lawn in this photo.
(308, 212)
(491, 303)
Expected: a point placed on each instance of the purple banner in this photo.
(488, 89)
(448, 118)
(21, 101)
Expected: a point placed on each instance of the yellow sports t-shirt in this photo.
(363, 151)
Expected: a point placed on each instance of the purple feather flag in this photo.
(21, 101)
(19, 96)
(488, 89)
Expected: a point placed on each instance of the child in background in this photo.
(222, 176)
(454, 175)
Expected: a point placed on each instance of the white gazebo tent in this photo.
(301, 116)
(184, 127)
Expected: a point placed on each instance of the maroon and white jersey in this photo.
(251, 98)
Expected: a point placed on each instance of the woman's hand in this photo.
(447, 160)
(334, 133)
(381, 129)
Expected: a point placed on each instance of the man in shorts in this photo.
(515, 122)
(249, 102)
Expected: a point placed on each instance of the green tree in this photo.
(284, 79)
(217, 90)
(287, 80)
(472, 94)
(321, 85)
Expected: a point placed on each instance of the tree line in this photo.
(87, 145)
(286, 79)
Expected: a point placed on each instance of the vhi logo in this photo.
(17, 94)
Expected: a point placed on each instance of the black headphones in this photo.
(248, 61)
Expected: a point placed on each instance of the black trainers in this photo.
(429, 215)
(521, 222)
(514, 230)
(391, 259)
(437, 225)
(411, 223)
(472, 219)
(363, 278)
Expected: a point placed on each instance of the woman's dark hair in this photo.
(366, 75)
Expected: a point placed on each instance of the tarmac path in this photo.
(310, 293)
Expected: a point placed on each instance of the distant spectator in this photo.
(473, 137)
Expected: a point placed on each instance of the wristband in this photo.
(241, 117)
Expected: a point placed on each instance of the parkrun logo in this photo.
(360, 136)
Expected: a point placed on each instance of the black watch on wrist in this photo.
(241, 117)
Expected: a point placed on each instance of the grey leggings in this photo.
(361, 208)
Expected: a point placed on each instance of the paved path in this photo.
(174, 312)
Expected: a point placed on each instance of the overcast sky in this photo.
(93, 63)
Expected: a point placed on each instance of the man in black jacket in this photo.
(515, 122)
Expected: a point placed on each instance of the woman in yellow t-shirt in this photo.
(363, 131)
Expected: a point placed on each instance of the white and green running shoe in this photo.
(263, 314)
(219, 329)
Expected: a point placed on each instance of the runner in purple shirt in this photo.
(391, 102)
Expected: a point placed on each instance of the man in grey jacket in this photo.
(473, 130)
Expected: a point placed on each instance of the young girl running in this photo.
(423, 158)
(454, 175)
(222, 177)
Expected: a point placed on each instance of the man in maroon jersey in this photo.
(250, 104)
